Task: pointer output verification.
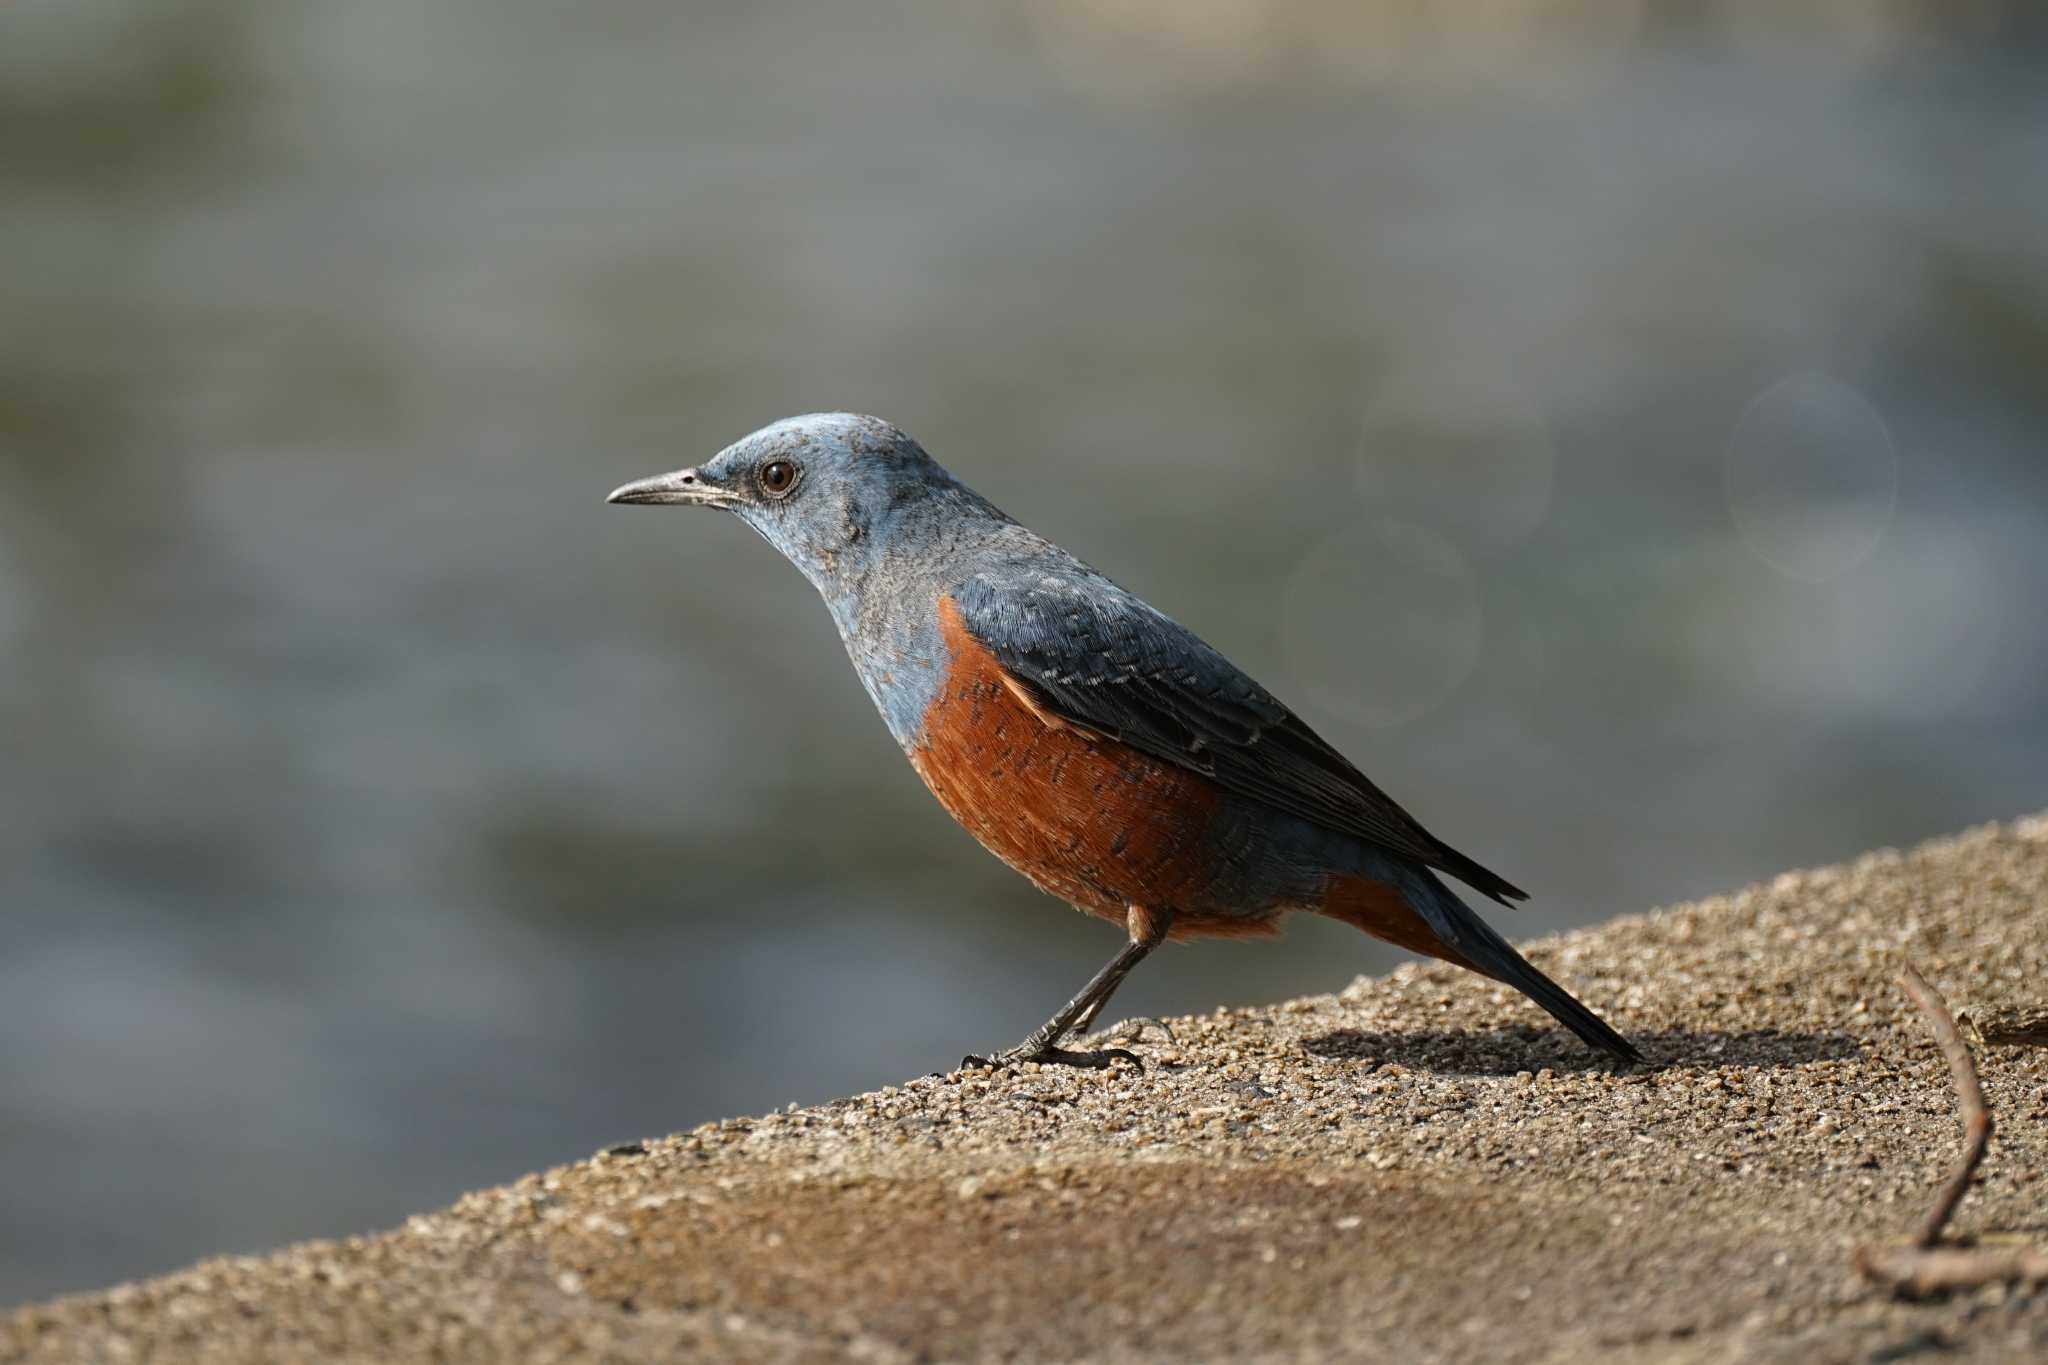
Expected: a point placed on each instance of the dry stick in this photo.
(1939, 1270)
(1962, 1070)
(1920, 1267)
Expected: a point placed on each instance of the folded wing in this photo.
(1095, 656)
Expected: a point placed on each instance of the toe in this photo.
(1094, 1061)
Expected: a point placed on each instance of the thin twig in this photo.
(1919, 1266)
(1962, 1070)
(1921, 1271)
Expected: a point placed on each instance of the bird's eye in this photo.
(778, 477)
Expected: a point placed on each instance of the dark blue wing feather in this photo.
(1097, 656)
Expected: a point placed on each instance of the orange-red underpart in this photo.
(1381, 911)
(1090, 820)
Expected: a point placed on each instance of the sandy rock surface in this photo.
(1418, 1169)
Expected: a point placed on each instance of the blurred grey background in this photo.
(1615, 424)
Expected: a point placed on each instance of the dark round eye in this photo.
(778, 477)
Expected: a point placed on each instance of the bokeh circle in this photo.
(1812, 477)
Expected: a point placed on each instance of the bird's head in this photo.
(824, 489)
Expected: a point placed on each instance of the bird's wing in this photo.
(1096, 656)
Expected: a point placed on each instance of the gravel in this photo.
(1421, 1168)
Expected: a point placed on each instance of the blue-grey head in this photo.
(837, 493)
(867, 516)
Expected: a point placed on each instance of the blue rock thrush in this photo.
(1105, 752)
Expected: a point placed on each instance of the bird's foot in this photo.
(1055, 1056)
(1131, 1030)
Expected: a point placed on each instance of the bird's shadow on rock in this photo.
(1506, 1051)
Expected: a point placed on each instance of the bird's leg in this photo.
(1147, 929)
(1085, 1020)
(1088, 1016)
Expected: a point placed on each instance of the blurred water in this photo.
(1618, 431)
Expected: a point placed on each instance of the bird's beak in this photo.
(685, 486)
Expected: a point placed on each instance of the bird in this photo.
(1101, 749)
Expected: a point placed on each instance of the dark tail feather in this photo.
(1474, 940)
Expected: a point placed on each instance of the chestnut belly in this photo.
(1084, 817)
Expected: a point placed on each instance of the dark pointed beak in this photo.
(685, 486)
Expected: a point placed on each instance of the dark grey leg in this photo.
(1094, 1011)
(1042, 1046)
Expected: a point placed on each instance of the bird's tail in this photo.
(1464, 938)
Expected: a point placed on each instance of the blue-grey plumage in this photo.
(1102, 749)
